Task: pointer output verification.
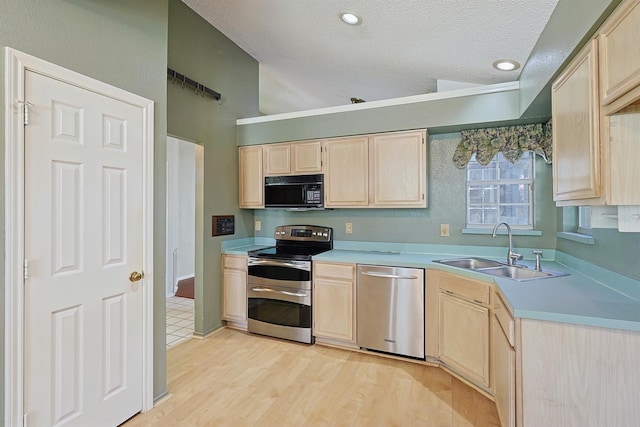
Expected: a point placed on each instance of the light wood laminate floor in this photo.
(233, 378)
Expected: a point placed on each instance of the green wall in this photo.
(439, 115)
(202, 53)
(120, 42)
(446, 204)
(612, 250)
(570, 24)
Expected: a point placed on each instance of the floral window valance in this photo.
(512, 141)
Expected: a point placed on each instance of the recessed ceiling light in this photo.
(350, 18)
(506, 65)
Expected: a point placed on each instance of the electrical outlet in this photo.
(348, 227)
(258, 225)
(444, 230)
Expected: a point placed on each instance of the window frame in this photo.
(584, 221)
(496, 182)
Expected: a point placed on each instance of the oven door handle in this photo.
(293, 294)
(276, 264)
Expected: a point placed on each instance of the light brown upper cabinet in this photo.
(398, 169)
(620, 56)
(576, 130)
(596, 117)
(377, 171)
(294, 158)
(346, 172)
(251, 177)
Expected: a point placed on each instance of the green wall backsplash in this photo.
(612, 250)
(446, 205)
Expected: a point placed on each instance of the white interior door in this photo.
(83, 335)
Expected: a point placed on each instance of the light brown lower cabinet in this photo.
(539, 373)
(504, 363)
(463, 326)
(578, 375)
(334, 299)
(464, 338)
(234, 289)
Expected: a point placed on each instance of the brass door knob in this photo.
(135, 276)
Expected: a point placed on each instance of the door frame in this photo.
(16, 64)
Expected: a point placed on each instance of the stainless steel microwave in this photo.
(294, 192)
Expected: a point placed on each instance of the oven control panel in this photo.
(311, 233)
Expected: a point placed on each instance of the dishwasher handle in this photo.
(387, 276)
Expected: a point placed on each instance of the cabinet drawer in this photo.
(335, 271)
(234, 262)
(504, 319)
(465, 288)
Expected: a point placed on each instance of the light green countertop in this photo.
(588, 296)
(576, 298)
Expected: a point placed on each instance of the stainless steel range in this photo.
(279, 283)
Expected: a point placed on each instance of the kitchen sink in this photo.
(521, 273)
(500, 269)
(471, 263)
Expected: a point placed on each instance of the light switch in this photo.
(444, 230)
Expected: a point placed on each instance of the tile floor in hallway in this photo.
(179, 320)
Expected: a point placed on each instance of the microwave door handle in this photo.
(293, 294)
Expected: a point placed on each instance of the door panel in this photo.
(66, 376)
(83, 237)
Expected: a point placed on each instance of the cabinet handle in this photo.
(449, 292)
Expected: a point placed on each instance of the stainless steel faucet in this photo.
(512, 257)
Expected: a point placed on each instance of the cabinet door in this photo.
(347, 172)
(576, 136)
(620, 52)
(398, 169)
(463, 338)
(234, 288)
(277, 159)
(307, 157)
(251, 178)
(234, 295)
(333, 309)
(504, 372)
(623, 132)
(334, 301)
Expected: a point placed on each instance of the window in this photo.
(500, 192)
(584, 220)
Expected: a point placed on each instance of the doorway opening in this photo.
(184, 182)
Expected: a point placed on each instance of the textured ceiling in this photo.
(310, 59)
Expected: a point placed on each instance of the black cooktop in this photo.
(288, 252)
(297, 242)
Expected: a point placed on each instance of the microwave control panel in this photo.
(314, 194)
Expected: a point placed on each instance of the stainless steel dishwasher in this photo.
(390, 310)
